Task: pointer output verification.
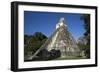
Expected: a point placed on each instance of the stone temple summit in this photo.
(61, 44)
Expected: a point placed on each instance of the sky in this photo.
(45, 22)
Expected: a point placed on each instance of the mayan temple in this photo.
(61, 43)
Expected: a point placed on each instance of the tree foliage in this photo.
(86, 47)
(33, 43)
(86, 19)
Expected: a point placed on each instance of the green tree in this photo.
(86, 19)
(33, 43)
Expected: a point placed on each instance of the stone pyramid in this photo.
(60, 41)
